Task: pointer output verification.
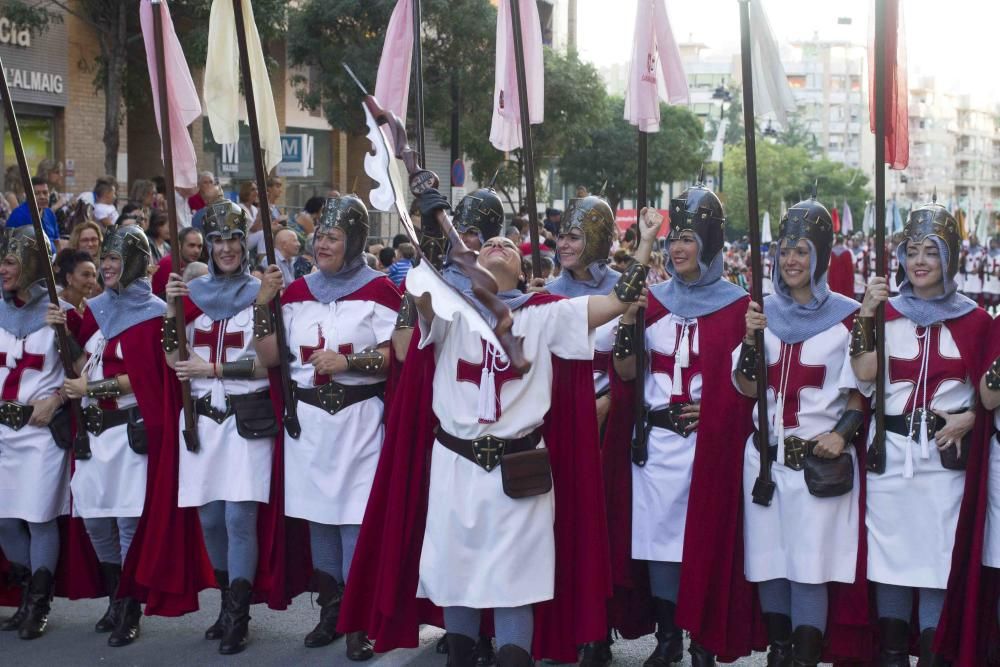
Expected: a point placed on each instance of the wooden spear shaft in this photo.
(190, 430)
(526, 151)
(418, 81)
(876, 453)
(81, 443)
(639, 444)
(291, 420)
(763, 490)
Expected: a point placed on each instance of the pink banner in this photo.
(505, 133)
(656, 72)
(392, 87)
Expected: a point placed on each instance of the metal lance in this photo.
(763, 488)
(526, 151)
(876, 451)
(291, 419)
(190, 430)
(640, 450)
(81, 442)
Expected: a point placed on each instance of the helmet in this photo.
(22, 244)
(593, 216)
(699, 210)
(811, 221)
(933, 220)
(130, 243)
(482, 211)
(350, 214)
(227, 220)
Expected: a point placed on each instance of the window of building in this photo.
(797, 81)
(37, 137)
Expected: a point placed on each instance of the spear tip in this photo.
(354, 77)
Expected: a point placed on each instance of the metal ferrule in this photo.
(848, 424)
(628, 289)
(263, 321)
(862, 336)
(107, 388)
(369, 362)
(624, 346)
(748, 361)
(168, 334)
(241, 370)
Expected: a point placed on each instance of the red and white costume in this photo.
(973, 262)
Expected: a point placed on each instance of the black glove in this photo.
(430, 203)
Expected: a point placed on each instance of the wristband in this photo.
(993, 376)
(107, 388)
(625, 341)
(263, 321)
(748, 361)
(242, 369)
(848, 425)
(407, 317)
(862, 336)
(628, 289)
(368, 362)
(168, 334)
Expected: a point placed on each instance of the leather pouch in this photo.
(828, 478)
(950, 459)
(526, 474)
(61, 428)
(255, 416)
(136, 431)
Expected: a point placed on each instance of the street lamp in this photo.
(723, 96)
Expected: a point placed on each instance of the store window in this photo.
(36, 136)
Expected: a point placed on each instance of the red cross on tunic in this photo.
(940, 368)
(468, 371)
(211, 340)
(800, 376)
(12, 383)
(306, 353)
(664, 363)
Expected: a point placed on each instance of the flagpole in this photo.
(876, 453)
(418, 76)
(190, 425)
(526, 151)
(639, 445)
(81, 442)
(291, 419)
(763, 490)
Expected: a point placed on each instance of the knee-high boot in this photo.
(331, 592)
(110, 574)
(127, 629)
(19, 576)
(669, 639)
(217, 629)
(39, 604)
(237, 622)
(779, 640)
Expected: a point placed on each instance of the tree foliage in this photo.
(675, 153)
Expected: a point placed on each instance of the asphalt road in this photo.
(276, 639)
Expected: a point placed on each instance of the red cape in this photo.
(162, 274)
(840, 277)
(381, 596)
(166, 565)
(968, 626)
(285, 568)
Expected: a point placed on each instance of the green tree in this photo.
(674, 153)
(787, 174)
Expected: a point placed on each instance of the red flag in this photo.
(896, 102)
(835, 216)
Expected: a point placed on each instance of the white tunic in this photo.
(34, 472)
(481, 548)
(860, 284)
(911, 521)
(227, 466)
(973, 264)
(330, 468)
(801, 537)
(991, 285)
(660, 488)
(112, 483)
(604, 340)
(991, 545)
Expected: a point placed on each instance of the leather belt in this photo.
(908, 425)
(669, 418)
(15, 415)
(487, 451)
(796, 450)
(99, 420)
(333, 397)
(203, 406)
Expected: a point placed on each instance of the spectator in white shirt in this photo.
(105, 194)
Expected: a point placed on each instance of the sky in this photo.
(952, 41)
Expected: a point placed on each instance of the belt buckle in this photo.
(218, 416)
(12, 415)
(94, 417)
(795, 452)
(331, 396)
(488, 451)
(916, 417)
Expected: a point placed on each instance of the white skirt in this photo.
(330, 469)
(34, 475)
(660, 491)
(483, 549)
(911, 522)
(226, 466)
(798, 537)
(112, 483)
(991, 545)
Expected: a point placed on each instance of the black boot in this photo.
(597, 654)
(110, 574)
(669, 639)
(217, 629)
(359, 648)
(127, 629)
(237, 617)
(485, 655)
(461, 650)
(928, 658)
(895, 639)
(330, 595)
(807, 645)
(511, 655)
(779, 640)
(19, 576)
(700, 657)
(441, 648)
(39, 604)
